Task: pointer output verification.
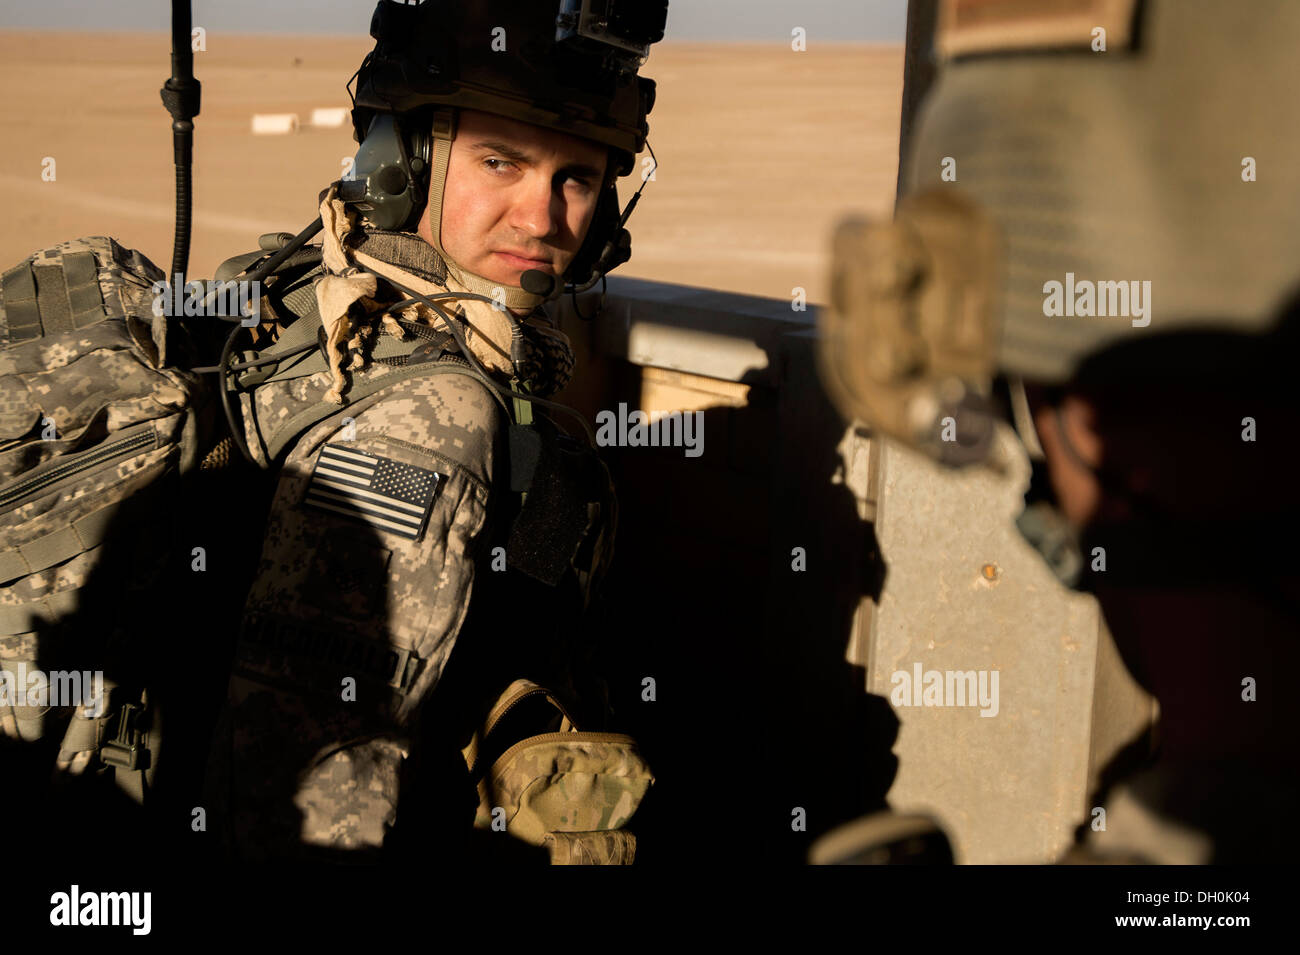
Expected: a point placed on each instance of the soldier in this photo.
(1109, 225)
(491, 141)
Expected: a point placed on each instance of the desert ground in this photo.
(761, 150)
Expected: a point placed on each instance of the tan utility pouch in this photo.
(568, 791)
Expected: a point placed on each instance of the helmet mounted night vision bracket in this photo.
(620, 30)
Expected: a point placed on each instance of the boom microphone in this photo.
(537, 282)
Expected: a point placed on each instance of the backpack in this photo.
(98, 417)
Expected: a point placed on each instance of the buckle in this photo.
(444, 125)
(124, 751)
(252, 377)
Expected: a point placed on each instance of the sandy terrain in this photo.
(761, 150)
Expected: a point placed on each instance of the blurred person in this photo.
(1086, 230)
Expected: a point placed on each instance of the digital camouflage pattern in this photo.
(49, 327)
(308, 766)
(54, 290)
(90, 420)
(337, 598)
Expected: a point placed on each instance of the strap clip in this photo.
(125, 751)
(444, 124)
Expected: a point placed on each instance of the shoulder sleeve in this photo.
(364, 581)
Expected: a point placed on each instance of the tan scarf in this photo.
(485, 327)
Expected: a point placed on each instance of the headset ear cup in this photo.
(420, 201)
(419, 152)
(603, 232)
(616, 252)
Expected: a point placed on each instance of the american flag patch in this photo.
(388, 495)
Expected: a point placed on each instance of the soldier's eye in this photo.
(500, 164)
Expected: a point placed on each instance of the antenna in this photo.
(180, 94)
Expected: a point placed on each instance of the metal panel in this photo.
(964, 592)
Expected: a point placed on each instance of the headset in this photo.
(389, 184)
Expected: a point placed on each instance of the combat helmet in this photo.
(1070, 154)
(566, 65)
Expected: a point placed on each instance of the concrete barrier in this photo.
(274, 124)
(330, 117)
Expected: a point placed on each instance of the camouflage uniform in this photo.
(337, 597)
(373, 597)
(383, 596)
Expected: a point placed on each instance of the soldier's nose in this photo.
(536, 210)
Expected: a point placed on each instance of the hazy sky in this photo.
(881, 21)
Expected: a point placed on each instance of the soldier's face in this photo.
(517, 197)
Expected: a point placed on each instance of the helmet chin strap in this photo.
(444, 131)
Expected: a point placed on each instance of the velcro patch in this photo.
(303, 653)
(968, 27)
(387, 495)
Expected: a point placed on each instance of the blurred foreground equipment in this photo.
(1084, 213)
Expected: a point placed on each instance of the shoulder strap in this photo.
(303, 331)
(289, 430)
(306, 330)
